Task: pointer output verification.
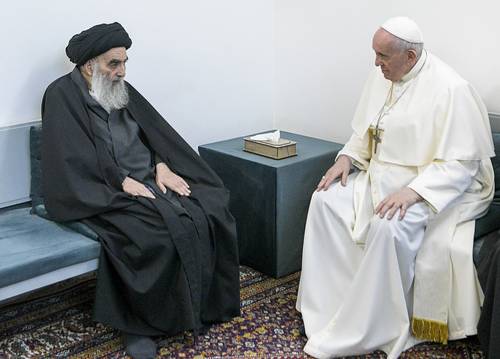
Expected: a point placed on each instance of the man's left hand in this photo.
(401, 200)
(165, 178)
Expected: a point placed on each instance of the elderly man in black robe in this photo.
(169, 259)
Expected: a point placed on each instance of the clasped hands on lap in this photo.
(165, 178)
(400, 200)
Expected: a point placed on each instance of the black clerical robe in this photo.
(167, 264)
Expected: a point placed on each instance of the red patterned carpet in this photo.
(56, 323)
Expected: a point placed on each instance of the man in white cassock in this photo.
(387, 257)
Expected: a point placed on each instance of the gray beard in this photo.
(111, 95)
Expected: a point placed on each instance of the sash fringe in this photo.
(430, 330)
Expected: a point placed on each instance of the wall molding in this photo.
(20, 125)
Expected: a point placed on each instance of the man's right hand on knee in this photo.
(340, 169)
(135, 188)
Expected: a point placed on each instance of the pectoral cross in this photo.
(376, 138)
(376, 132)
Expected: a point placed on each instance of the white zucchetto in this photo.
(404, 28)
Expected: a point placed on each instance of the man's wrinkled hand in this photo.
(340, 169)
(402, 200)
(135, 188)
(165, 178)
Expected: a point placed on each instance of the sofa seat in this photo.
(32, 247)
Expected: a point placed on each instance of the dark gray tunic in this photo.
(121, 135)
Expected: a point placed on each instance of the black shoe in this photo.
(139, 346)
(204, 329)
(302, 330)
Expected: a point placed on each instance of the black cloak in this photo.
(163, 268)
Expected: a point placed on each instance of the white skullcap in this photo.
(404, 28)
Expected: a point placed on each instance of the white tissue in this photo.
(270, 136)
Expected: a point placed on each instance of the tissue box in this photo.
(278, 150)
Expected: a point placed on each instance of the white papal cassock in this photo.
(368, 283)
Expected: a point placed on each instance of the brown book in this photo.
(278, 150)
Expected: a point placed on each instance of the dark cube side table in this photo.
(270, 198)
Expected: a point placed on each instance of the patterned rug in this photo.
(56, 323)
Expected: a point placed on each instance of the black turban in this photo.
(95, 41)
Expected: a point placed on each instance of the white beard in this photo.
(111, 95)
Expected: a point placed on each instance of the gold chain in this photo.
(381, 113)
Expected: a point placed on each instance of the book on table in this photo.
(277, 150)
